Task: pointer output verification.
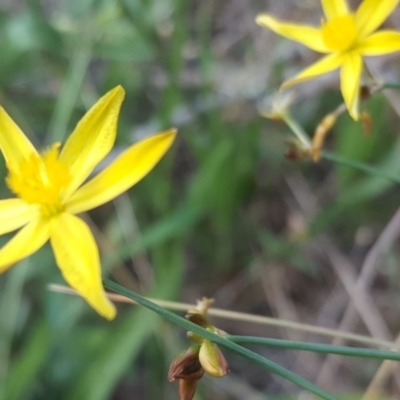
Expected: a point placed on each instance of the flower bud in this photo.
(275, 107)
(187, 389)
(212, 360)
(197, 318)
(195, 337)
(320, 134)
(297, 150)
(186, 366)
(366, 121)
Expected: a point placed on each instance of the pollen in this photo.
(41, 179)
(340, 33)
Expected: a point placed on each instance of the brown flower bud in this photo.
(203, 356)
(187, 389)
(320, 135)
(186, 366)
(292, 154)
(197, 318)
(365, 93)
(212, 360)
(366, 121)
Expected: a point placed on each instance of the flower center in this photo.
(340, 33)
(41, 180)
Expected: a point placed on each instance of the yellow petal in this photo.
(382, 42)
(28, 240)
(77, 257)
(92, 138)
(129, 168)
(306, 35)
(334, 8)
(372, 13)
(14, 145)
(326, 64)
(350, 76)
(15, 213)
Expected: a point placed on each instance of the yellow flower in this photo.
(345, 37)
(50, 189)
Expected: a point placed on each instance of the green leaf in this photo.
(26, 367)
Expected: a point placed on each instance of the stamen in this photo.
(340, 33)
(41, 180)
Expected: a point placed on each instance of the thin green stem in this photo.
(360, 166)
(297, 130)
(317, 348)
(391, 85)
(245, 353)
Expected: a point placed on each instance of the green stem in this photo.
(391, 85)
(317, 348)
(360, 166)
(297, 130)
(245, 353)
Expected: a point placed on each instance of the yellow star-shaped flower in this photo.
(345, 37)
(51, 188)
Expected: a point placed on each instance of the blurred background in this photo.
(224, 215)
